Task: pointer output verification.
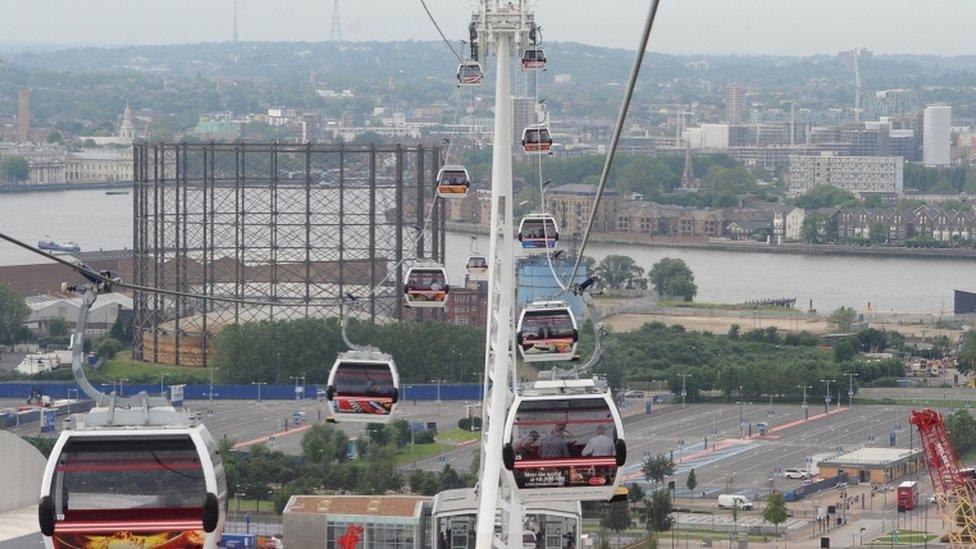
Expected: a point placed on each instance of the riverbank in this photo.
(55, 187)
(725, 245)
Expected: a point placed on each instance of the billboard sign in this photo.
(176, 395)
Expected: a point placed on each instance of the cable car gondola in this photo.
(547, 332)
(470, 73)
(452, 182)
(426, 287)
(133, 471)
(477, 267)
(142, 487)
(534, 58)
(363, 387)
(536, 139)
(538, 231)
(564, 441)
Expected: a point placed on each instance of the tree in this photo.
(656, 468)
(107, 348)
(814, 228)
(54, 137)
(58, 327)
(621, 272)
(962, 431)
(368, 138)
(635, 493)
(842, 319)
(967, 353)
(878, 232)
(873, 201)
(845, 349)
(825, 196)
(672, 278)
(15, 168)
(734, 331)
(657, 514)
(13, 314)
(324, 444)
(775, 512)
(691, 482)
(617, 518)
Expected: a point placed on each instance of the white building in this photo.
(101, 317)
(936, 130)
(857, 174)
(707, 136)
(794, 221)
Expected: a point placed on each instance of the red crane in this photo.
(953, 488)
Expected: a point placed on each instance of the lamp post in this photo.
(741, 414)
(121, 382)
(806, 410)
(684, 391)
(296, 379)
(438, 382)
(259, 384)
(827, 395)
(850, 388)
(162, 392)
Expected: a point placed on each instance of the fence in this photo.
(814, 487)
(56, 390)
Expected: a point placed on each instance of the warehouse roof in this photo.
(382, 506)
(871, 457)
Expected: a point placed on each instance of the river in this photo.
(99, 221)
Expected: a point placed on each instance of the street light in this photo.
(850, 388)
(295, 379)
(806, 410)
(121, 381)
(684, 391)
(827, 394)
(211, 395)
(438, 382)
(259, 384)
(162, 392)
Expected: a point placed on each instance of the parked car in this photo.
(729, 501)
(801, 474)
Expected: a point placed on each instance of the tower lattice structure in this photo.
(335, 33)
(954, 491)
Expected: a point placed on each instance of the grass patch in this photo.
(123, 366)
(458, 436)
(918, 403)
(416, 452)
(904, 537)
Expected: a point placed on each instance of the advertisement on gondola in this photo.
(564, 444)
(363, 388)
(175, 539)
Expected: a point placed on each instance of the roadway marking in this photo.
(264, 439)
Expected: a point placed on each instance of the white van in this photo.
(728, 501)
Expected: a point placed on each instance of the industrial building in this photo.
(857, 174)
(874, 465)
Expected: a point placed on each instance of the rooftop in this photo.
(872, 456)
(375, 506)
(580, 189)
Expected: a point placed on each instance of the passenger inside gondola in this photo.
(363, 380)
(548, 332)
(426, 286)
(577, 441)
(477, 264)
(453, 182)
(539, 233)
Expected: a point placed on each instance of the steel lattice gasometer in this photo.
(274, 222)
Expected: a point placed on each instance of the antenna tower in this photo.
(335, 34)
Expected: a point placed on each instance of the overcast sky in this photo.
(684, 26)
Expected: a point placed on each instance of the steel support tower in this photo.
(506, 26)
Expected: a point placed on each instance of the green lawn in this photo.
(250, 506)
(458, 436)
(410, 453)
(123, 367)
(904, 537)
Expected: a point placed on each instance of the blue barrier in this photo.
(67, 389)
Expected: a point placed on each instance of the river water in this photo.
(99, 221)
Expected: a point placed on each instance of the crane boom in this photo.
(954, 491)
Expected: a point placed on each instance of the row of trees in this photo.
(669, 277)
(325, 465)
(271, 351)
(760, 362)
